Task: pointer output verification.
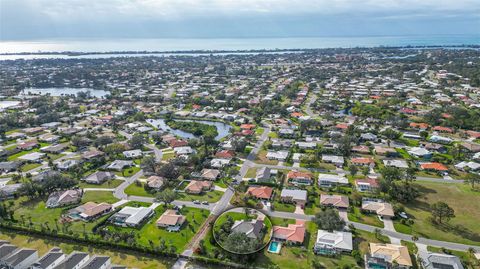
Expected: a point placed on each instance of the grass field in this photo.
(150, 231)
(370, 219)
(211, 196)
(463, 228)
(278, 206)
(99, 196)
(106, 185)
(122, 258)
(29, 166)
(135, 190)
(128, 172)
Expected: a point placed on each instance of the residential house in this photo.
(225, 154)
(420, 152)
(367, 184)
(298, 197)
(209, 174)
(98, 177)
(386, 255)
(198, 186)
(363, 161)
(299, 178)
(440, 139)
(398, 163)
(431, 260)
(64, 198)
(50, 260)
(98, 262)
(434, 166)
(119, 165)
(251, 228)
(9, 166)
(171, 220)
(292, 234)
(75, 260)
(472, 166)
(156, 182)
(89, 211)
(336, 160)
(331, 243)
(260, 192)
(132, 154)
(378, 207)
(33, 157)
(131, 216)
(338, 201)
(19, 259)
(330, 180)
(280, 155)
(385, 151)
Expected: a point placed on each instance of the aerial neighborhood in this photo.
(343, 158)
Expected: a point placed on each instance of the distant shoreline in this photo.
(207, 52)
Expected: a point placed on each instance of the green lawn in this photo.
(251, 173)
(370, 219)
(99, 197)
(128, 172)
(211, 196)
(278, 206)
(168, 155)
(150, 231)
(29, 166)
(135, 190)
(463, 228)
(109, 184)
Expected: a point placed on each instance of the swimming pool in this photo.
(274, 247)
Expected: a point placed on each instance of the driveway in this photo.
(388, 224)
(343, 214)
(299, 210)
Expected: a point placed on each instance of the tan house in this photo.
(197, 186)
(338, 201)
(385, 255)
(379, 207)
(171, 220)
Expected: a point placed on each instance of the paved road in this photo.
(120, 190)
(158, 152)
(310, 101)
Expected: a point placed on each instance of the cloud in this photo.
(72, 18)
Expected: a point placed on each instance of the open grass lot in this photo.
(121, 258)
(106, 185)
(211, 196)
(99, 196)
(370, 219)
(278, 206)
(128, 172)
(29, 166)
(135, 190)
(251, 173)
(168, 155)
(150, 231)
(464, 228)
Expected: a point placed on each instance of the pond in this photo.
(223, 129)
(65, 91)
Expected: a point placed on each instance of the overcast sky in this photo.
(41, 19)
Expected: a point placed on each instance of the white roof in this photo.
(396, 163)
(333, 178)
(32, 156)
(340, 240)
(333, 158)
(295, 194)
(136, 214)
